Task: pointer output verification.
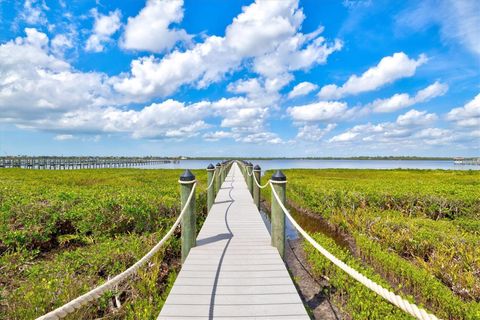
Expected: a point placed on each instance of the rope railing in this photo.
(98, 291)
(393, 298)
(258, 184)
(211, 182)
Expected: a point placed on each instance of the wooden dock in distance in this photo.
(70, 163)
(233, 272)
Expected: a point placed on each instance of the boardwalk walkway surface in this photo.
(233, 272)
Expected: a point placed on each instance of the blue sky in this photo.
(240, 78)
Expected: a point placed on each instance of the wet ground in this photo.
(314, 290)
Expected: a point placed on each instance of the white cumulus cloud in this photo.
(33, 12)
(468, 115)
(217, 135)
(262, 29)
(168, 119)
(412, 128)
(343, 137)
(318, 111)
(403, 100)
(416, 118)
(104, 27)
(302, 89)
(34, 83)
(314, 132)
(389, 69)
(151, 29)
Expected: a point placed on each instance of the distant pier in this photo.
(466, 161)
(71, 163)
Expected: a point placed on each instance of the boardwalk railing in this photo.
(186, 217)
(279, 211)
(216, 176)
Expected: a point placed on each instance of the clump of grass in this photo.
(416, 230)
(65, 232)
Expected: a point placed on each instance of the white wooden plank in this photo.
(175, 317)
(233, 299)
(291, 309)
(247, 290)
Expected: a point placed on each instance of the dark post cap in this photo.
(279, 176)
(187, 175)
(257, 168)
(250, 164)
(210, 167)
(218, 164)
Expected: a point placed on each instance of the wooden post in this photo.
(224, 169)
(257, 171)
(245, 172)
(211, 191)
(218, 179)
(279, 182)
(244, 163)
(187, 180)
(250, 178)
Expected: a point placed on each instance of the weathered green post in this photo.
(187, 180)
(246, 171)
(279, 182)
(227, 168)
(257, 171)
(211, 190)
(224, 170)
(245, 164)
(218, 179)
(250, 177)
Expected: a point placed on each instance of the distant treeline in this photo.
(335, 158)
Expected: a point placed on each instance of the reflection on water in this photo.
(324, 164)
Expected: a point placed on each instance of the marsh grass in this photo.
(65, 232)
(415, 231)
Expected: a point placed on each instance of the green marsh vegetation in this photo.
(63, 233)
(416, 232)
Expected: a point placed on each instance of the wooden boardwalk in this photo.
(233, 272)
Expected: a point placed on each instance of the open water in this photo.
(324, 164)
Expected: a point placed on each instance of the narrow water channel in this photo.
(308, 223)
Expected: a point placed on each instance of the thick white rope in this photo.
(258, 184)
(255, 178)
(396, 300)
(98, 291)
(213, 180)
